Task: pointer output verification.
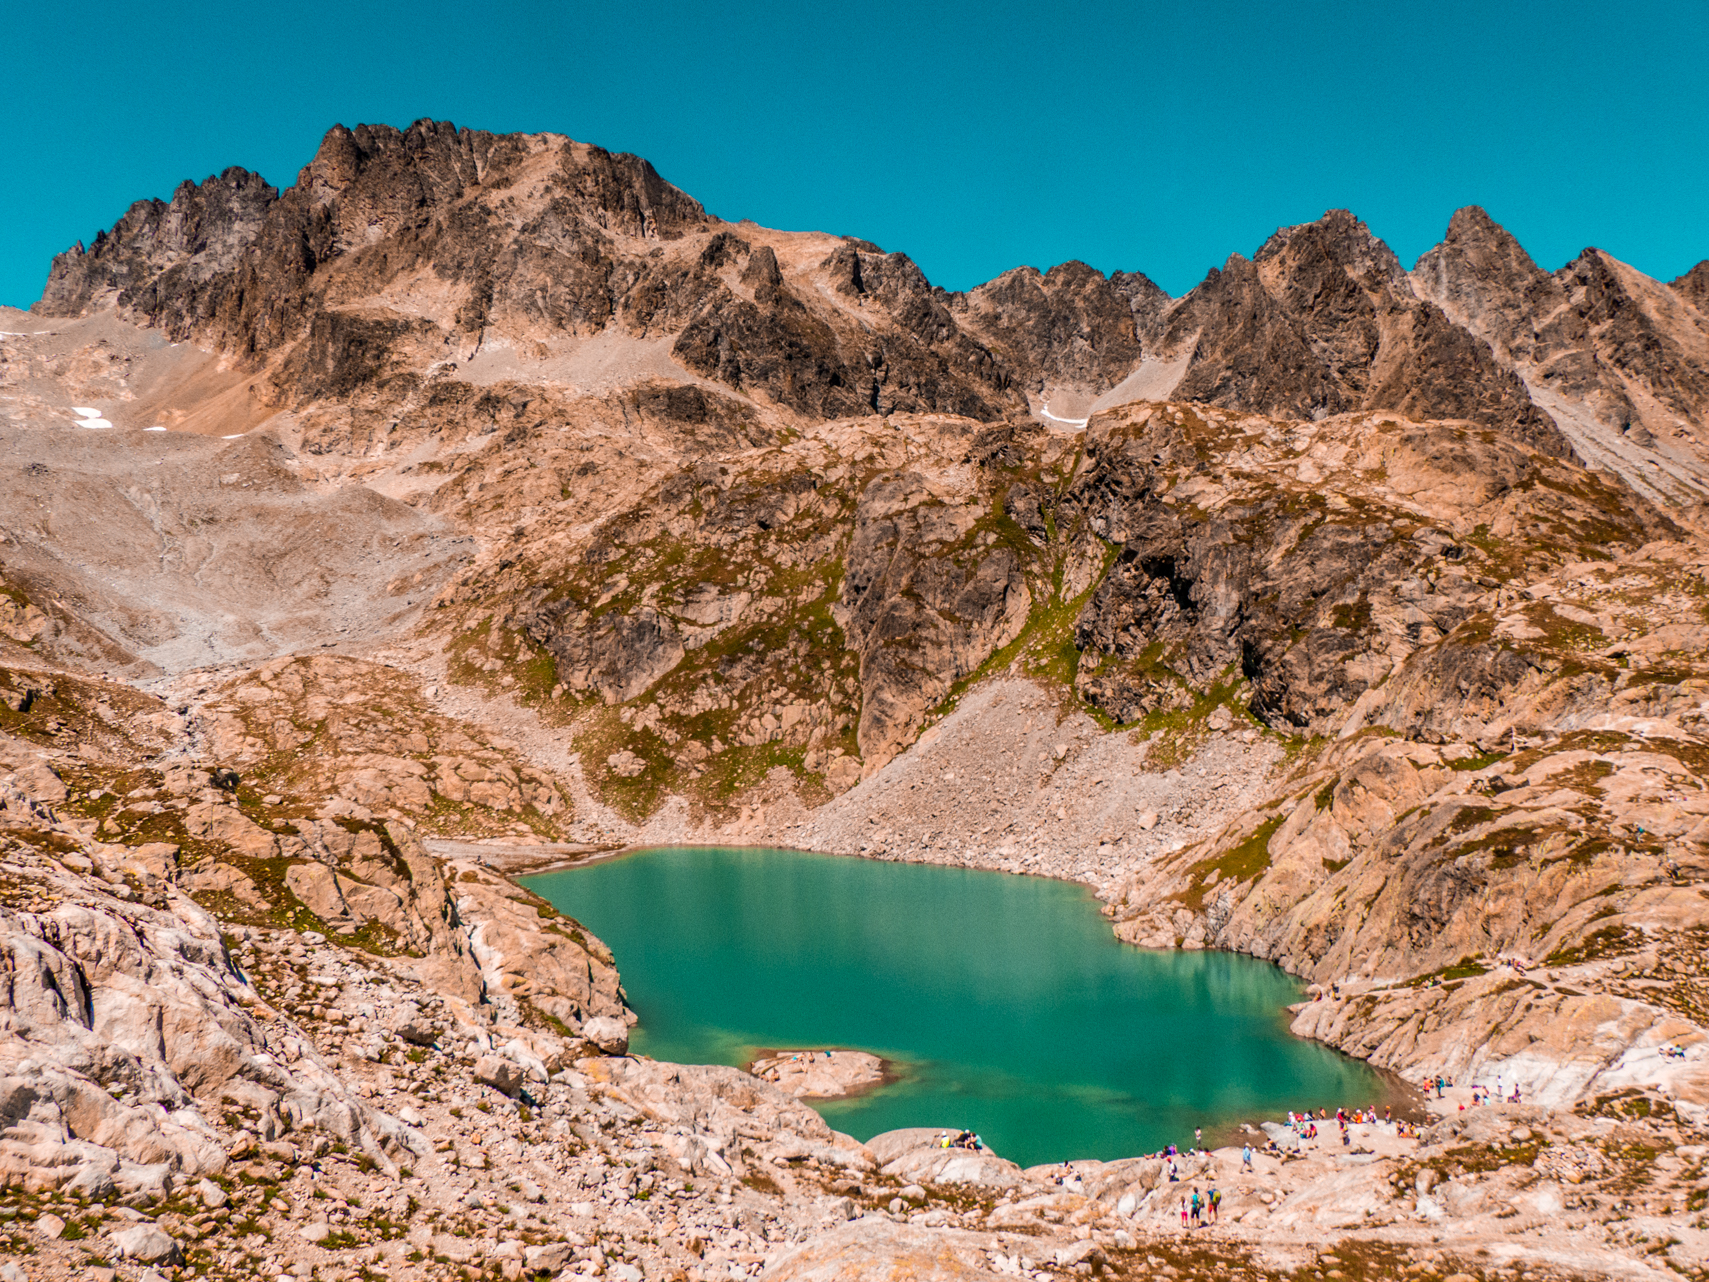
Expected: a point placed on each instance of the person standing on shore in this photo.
(1246, 1157)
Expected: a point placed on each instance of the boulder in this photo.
(609, 1034)
(417, 1032)
(916, 1154)
(218, 878)
(499, 1073)
(38, 781)
(549, 1258)
(153, 859)
(625, 764)
(1083, 1252)
(148, 1244)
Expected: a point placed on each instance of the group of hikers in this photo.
(774, 1071)
(1202, 1208)
(1480, 1094)
(1304, 1124)
(1196, 1210)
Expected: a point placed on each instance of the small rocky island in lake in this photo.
(820, 1074)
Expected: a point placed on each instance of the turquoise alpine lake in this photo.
(1005, 1003)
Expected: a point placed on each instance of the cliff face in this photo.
(162, 251)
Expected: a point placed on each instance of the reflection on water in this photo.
(1005, 1002)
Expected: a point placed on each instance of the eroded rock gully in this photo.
(507, 506)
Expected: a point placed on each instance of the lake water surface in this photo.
(1006, 1003)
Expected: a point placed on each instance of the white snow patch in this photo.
(91, 418)
(154, 429)
(1072, 422)
(232, 437)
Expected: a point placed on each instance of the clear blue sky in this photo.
(973, 136)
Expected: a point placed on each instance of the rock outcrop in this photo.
(920, 616)
(126, 1029)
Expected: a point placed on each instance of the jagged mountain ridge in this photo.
(396, 249)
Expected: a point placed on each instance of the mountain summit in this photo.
(397, 249)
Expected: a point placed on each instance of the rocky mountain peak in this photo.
(200, 233)
(1694, 286)
(1475, 244)
(1070, 326)
(1471, 225)
(1611, 356)
(1338, 240)
(1323, 321)
(1483, 279)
